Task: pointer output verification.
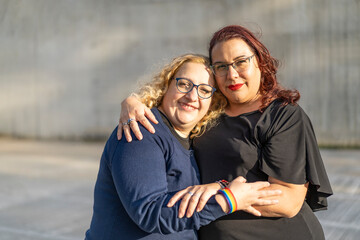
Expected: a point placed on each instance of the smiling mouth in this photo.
(235, 87)
(187, 106)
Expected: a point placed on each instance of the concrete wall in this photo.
(66, 65)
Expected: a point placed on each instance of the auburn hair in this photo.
(270, 89)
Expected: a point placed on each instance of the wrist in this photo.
(220, 199)
(132, 97)
(230, 199)
(223, 183)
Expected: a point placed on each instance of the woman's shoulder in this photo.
(280, 111)
(163, 136)
(279, 107)
(279, 116)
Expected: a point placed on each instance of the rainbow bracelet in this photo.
(229, 196)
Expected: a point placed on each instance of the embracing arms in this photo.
(290, 201)
(140, 177)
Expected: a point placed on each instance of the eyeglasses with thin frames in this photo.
(240, 65)
(204, 91)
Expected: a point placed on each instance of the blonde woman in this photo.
(136, 181)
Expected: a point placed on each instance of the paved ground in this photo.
(46, 190)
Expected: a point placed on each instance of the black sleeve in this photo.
(290, 152)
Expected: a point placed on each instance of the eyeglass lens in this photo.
(221, 69)
(185, 86)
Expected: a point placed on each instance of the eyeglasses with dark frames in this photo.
(204, 91)
(240, 65)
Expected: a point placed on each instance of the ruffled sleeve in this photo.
(289, 151)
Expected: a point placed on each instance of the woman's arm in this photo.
(133, 108)
(140, 178)
(246, 194)
(290, 202)
(284, 159)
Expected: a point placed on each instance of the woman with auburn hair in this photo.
(135, 181)
(263, 135)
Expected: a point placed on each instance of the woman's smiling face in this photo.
(185, 110)
(240, 88)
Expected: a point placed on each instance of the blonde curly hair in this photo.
(152, 93)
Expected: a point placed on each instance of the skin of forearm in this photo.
(290, 201)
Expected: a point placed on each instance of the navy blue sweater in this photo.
(136, 181)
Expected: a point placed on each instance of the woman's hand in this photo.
(290, 201)
(248, 195)
(193, 197)
(133, 111)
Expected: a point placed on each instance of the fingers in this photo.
(177, 197)
(127, 134)
(193, 198)
(265, 202)
(185, 203)
(124, 127)
(269, 193)
(253, 211)
(197, 202)
(150, 116)
(259, 185)
(119, 131)
(240, 179)
(127, 128)
(134, 126)
(203, 200)
(145, 122)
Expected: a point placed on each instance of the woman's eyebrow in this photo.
(236, 58)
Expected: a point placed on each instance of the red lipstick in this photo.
(235, 87)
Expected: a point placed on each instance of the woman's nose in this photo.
(193, 95)
(232, 73)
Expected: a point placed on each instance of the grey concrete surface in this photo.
(46, 190)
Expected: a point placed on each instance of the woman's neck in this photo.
(182, 132)
(236, 109)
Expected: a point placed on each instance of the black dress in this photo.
(279, 142)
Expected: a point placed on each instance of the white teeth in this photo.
(187, 106)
